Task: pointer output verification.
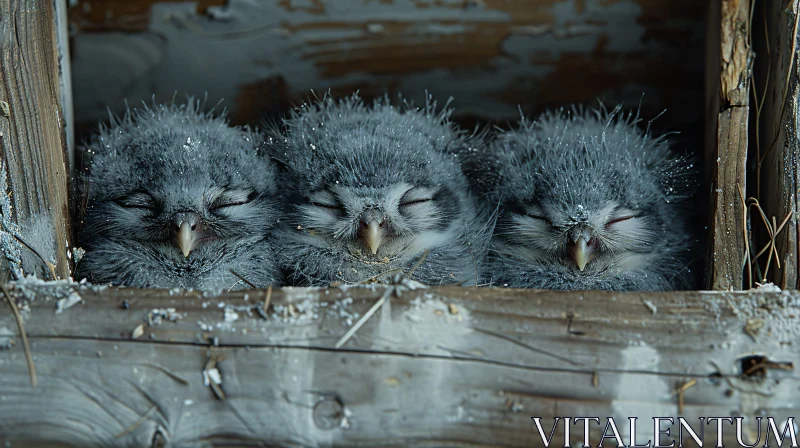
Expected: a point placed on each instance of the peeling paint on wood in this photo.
(491, 55)
(121, 15)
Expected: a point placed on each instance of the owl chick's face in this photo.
(179, 218)
(377, 223)
(589, 193)
(176, 196)
(581, 237)
(371, 188)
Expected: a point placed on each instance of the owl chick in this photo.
(177, 198)
(588, 201)
(374, 190)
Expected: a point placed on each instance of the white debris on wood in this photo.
(68, 302)
(412, 285)
(345, 423)
(777, 310)
(33, 288)
(305, 307)
(66, 293)
(341, 309)
(137, 332)
(158, 315)
(231, 315)
(296, 312)
(767, 287)
(6, 338)
(430, 307)
(9, 232)
(650, 306)
(211, 293)
(212, 375)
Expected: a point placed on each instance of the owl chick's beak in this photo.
(582, 253)
(186, 236)
(186, 239)
(373, 230)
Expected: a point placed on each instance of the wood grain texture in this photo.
(491, 55)
(65, 78)
(435, 367)
(727, 107)
(32, 137)
(779, 144)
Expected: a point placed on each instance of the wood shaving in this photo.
(753, 327)
(212, 377)
(137, 332)
(68, 302)
(650, 306)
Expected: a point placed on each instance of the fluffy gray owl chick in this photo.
(371, 189)
(177, 198)
(588, 201)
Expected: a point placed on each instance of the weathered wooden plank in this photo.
(779, 146)
(32, 135)
(536, 322)
(491, 55)
(437, 367)
(727, 107)
(65, 79)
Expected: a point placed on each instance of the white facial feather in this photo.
(408, 235)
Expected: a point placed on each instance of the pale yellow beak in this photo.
(186, 238)
(581, 253)
(373, 235)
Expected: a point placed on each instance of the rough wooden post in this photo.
(727, 108)
(779, 146)
(32, 131)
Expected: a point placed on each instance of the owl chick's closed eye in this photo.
(372, 190)
(588, 201)
(177, 198)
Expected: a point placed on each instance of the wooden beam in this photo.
(32, 131)
(727, 109)
(778, 145)
(434, 367)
